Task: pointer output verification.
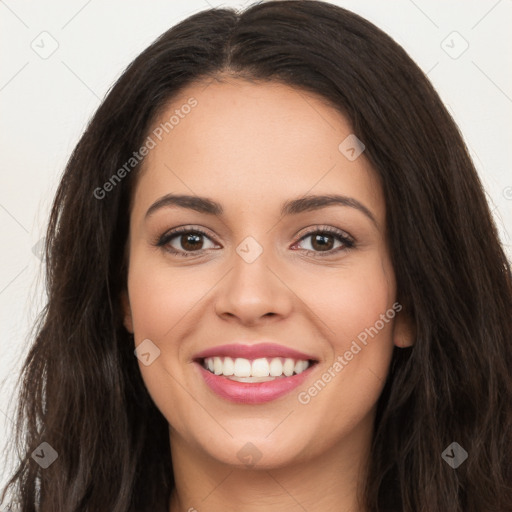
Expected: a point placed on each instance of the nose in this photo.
(253, 292)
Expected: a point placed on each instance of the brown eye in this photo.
(190, 241)
(321, 242)
(326, 241)
(185, 241)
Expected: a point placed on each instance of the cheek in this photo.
(162, 301)
(358, 309)
(161, 297)
(352, 300)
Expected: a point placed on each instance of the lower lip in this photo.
(252, 393)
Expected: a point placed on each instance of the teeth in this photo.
(257, 370)
(300, 366)
(229, 366)
(260, 368)
(276, 367)
(288, 366)
(242, 367)
(252, 379)
(217, 365)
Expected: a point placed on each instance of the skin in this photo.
(250, 147)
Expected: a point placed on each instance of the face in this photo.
(297, 297)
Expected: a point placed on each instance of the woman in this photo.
(340, 340)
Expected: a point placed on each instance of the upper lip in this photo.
(255, 351)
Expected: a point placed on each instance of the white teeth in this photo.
(242, 367)
(257, 370)
(276, 367)
(288, 366)
(229, 366)
(253, 379)
(260, 368)
(300, 366)
(217, 365)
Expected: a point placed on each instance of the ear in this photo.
(404, 330)
(127, 311)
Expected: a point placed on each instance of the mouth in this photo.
(253, 374)
(264, 369)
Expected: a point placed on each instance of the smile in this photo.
(253, 374)
(258, 370)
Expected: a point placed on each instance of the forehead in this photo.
(253, 143)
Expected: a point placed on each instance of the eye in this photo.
(323, 241)
(184, 241)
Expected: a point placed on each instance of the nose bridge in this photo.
(251, 262)
(252, 289)
(252, 259)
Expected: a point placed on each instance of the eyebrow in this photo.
(290, 207)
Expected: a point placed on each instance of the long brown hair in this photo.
(81, 388)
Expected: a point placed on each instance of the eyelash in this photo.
(348, 242)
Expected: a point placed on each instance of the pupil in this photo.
(322, 240)
(190, 241)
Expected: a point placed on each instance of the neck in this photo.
(329, 481)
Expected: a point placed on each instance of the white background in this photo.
(46, 103)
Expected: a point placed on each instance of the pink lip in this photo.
(252, 393)
(252, 351)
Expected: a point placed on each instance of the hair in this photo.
(81, 388)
